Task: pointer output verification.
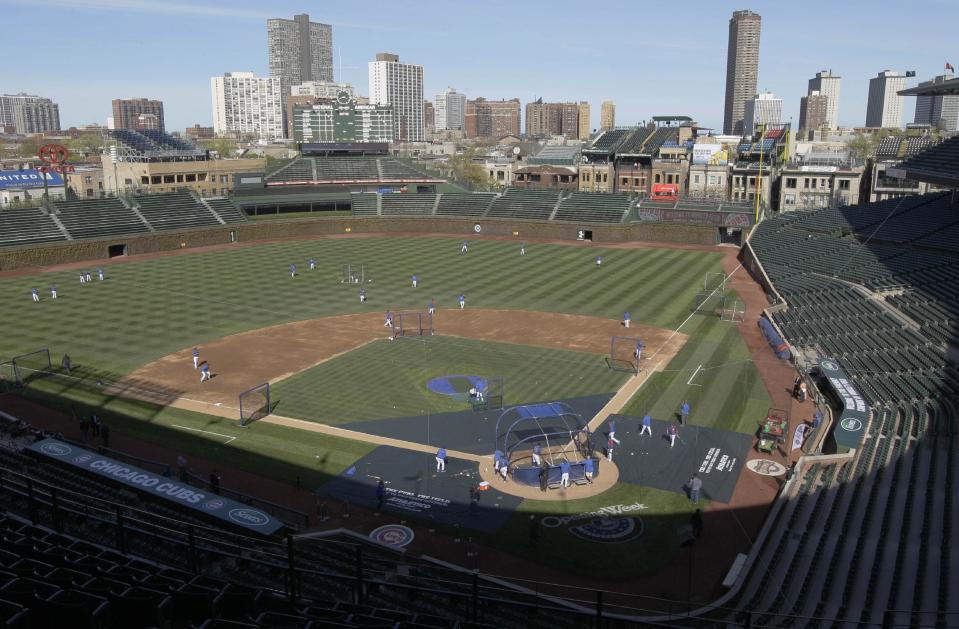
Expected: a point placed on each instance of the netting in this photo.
(255, 404)
(411, 324)
(622, 354)
(734, 310)
(8, 378)
(709, 303)
(715, 281)
(30, 366)
(354, 274)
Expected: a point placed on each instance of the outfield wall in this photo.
(139, 244)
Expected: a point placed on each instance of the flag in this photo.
(949, 67)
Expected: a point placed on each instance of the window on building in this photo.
(790, 182)
(169, 179)
(695, 178)
(656, 178)
(191, 177)
(813, 183)
(844, 184)
(625, 181)
(179, 178)
(805, 182)
(128, 182)
(712, 180)
(636, 181)
(224, 179)
(89, 192)
(752, 181)
(789, 199)
(87, 179)
(155, 179)
(144, 180)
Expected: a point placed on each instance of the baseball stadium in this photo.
(353, 394)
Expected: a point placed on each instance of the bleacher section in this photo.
(400, 204)
(27, 226)
(226, 210)
(299, 169)
(98, 218)
(941, 160)
(527, 204)
(873, 540)
(174, 210)
(464, 203)
(593, 208)
(364, 204)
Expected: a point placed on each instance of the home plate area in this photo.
(717, 456)
(414, 488)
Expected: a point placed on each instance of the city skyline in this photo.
(661, 82)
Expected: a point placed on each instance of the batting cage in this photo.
(532, 437)
(715, 281)
(255, 404)
(8, 379)
(625, 353)
(491, 397)
(733, 310)
(412, 324)
(354, 274)
(31, 366)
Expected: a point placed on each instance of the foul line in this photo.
(228, 437)
(690, 381)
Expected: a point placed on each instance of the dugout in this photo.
(560, 432)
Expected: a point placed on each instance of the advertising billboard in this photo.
(712, 154)
(27, 179)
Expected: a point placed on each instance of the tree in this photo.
(29, 148)
(472, 175)
(862, 146)
(225, 147)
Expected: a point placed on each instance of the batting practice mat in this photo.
(467, 431)
(414, 488)
(716, 455)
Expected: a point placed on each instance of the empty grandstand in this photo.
(27, 226)
(527, 204)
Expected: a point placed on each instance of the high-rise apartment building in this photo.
(607, 115)
(299, 50)
(827, 84)
(400, 85)
(941, 112)
(813, 111)
(492, 118)
(246, 104)
(36, 117)
(761, 109)
(9, 101)
(583, 120)
(127, 112)
(884, 108)
(742, 67)
(429, 117)
(548, 119)
(450, 111)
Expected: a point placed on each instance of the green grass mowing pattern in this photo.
(389, 378)
(664, 516)
(148, 309)
(278, 452)
(726, 393)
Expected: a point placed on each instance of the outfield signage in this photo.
(26, 179)
(694, 217)
(855, 413)
(181, 494)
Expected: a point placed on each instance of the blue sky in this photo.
(651, 58)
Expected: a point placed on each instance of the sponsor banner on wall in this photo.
(855, 413)
(27, 179)
(159, 486)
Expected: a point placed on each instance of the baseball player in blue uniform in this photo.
(53, 292)
(87, 275)
(293, 271)
(465, 247)
(612, 431)
(312, 263)
(441, 460)
(362, 295)
(196, 358)
(414, 281)
(389, 320)
(638, 352)
(599, 261)
(537, 459)
(462, 301)
(626, 319)
(431, 308)
(205, 372)
(83, 278)
(100, 273)
(564, 471)
(684, 412)
(522, 249)
(35, 294)
(589, 468)
(647, 426)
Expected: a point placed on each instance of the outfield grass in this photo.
(389, 379)
(148, 309)
(714, 374)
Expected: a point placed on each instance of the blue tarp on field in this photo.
(772, 337)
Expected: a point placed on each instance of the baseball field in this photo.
(541, 322)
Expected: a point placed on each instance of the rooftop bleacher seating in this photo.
(464, 203)
(174, 210)
(593, 208)
(527, 204)
(98, 218)
(27, 226)
(608, 141)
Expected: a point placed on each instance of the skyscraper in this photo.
(299, 50)
(127, 111)
(761, 109)
(884, 108)
(450, 110)
(400, 85)
(247, 104)
(583, 120)
(827, 84)
(813, 111)
(742, 67)
(492, 118)
(607, 115)
(547, 119)
(938, 111)
(36, 117)
(9, 101)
